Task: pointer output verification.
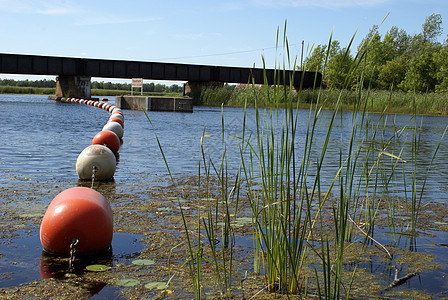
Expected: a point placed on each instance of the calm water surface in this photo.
(41, 139)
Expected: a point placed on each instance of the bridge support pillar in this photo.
(73, 86)
(192, 88)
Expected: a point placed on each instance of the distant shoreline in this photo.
(95, 92)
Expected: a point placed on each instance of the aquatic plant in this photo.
(302, 220)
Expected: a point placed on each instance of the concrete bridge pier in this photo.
(193, 88)
(73, 86)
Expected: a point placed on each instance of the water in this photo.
(41, 139)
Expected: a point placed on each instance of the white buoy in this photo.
(114, 127)
(111, 109)
(117, 116)
(98, 158)
(96, 104)
(117, 110)
(73, 100)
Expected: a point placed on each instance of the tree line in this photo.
(28, 83)
(147, 87)
(397, 60)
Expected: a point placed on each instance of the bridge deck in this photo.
(68, 66)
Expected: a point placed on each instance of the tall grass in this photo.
(302, 221)
(26, 90)
(394, 101)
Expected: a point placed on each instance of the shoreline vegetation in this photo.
(379, 101)
(395, 102)
(48, 87)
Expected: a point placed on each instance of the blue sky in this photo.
(211, 32)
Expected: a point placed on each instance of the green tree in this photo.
(441, 60)
(392, 73)
(315, 62)
(338, 67)
(432, 28)
(371, 46)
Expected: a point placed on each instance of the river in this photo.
(40, 140)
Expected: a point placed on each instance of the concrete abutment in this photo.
(73, 86)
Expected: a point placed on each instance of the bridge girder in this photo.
(69, 66)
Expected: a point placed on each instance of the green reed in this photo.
(303, 222)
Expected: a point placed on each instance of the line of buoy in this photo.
(81, 216)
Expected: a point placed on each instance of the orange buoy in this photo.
(107, 138)
(107, 107)
(105, 99)
(118, 120)
(77, 213)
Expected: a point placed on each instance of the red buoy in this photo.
(77, 213)
(100, 105)
(107, 138)
(105, 99)
(107, 107)
(118, 120)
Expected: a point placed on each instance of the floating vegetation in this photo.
(127, 282)
(97, 268)
(156, 285)
(143, 262)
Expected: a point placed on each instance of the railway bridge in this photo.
(74, 74)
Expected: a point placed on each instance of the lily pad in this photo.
(98, 268)
(143, 262)
(127, 282)
(156, 285)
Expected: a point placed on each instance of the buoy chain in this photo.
(73, 245)
(94, 169)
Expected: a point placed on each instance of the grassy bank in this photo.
(378, 100)
(26, 90)
(95, 92)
